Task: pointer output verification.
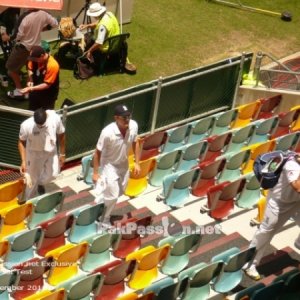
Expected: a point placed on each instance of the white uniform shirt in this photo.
(283, 195)
(115, 148)
(42, 139)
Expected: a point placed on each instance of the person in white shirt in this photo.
(38, 149)
(283, 202)
(111, 155)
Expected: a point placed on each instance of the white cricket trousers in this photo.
(42, 167)
(272, 223)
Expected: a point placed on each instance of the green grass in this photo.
(172, 36)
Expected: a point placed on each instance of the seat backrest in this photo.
(85, 286)
(238, 260)
(167, 160)
(185, 243)
(186, 179)
(25, 239)
(8, 279)
(116, 42)
(89, 215)
(48, 202)
(287, 142)
(268, 105)
(271, 291)
(224, 121)
(17, 214)
(153, 258)
(10, 190)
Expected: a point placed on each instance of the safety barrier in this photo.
(156, 105)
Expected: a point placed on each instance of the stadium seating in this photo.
(181, 247)
(7, 280)
(200, 129)
(199, 279)
(45, 207)
(130, 241)
(176, 138)
(224, 121)
(247, 113)
(66, 260)
(55, 231)
(269, 106)
(288, 141)
(13, 219)
(9, 193)
(148, 259)
(86, 221)
(151, 144)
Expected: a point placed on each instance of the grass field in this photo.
(172, 36)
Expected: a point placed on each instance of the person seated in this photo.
(105, 26)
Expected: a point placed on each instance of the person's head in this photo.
(37, 54)
(122, 116)
(96, 10)
(40, 117)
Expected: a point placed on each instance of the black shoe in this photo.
(41, 190)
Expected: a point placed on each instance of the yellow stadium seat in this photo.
(148, 259)
(13, 219)
(247, 113)
(138, 183)
(66, 260)
(9, 192)
(48, 295)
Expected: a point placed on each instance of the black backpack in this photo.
(267, 167)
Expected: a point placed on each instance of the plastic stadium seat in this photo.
(269, 106)
(250, 194)
(234, 165)
(7, 280)
(286, 121)
(165, 165)
(247, 113)
(201, 129)
(83, 286)
(31, 277)
(234, 259)
(45, 207)
(256, 150)
(221, 198)
(116, 274)
(13, 219)
(217, 145)
(151, 144)
(181, 247)
(224, 121)
(66, 260)
(3, 249)
(134, 296)
(176, 187)
(9, 193)
(55, 231)
(261, 206)
(167, 288)
(263, 130)
(99, 250)
(48, 295)
(131, 241)
(176, 138)
(22, 246)
(148, 259)
(240, 138)
(199, 278)
(271, 291)
(86, 222)
(192, 154)
(138, 183)
(245, 294)
(288, 141)
(291, 287)
(208, 174)
(296, 124)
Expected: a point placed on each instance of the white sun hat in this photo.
(96, 10)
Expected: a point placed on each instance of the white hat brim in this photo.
(97, 13)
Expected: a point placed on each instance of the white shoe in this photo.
(252, 273)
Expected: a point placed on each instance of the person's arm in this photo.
(296, 183)
(22, 151)
(62, 150)
(96, 164)
(87, 26)
(98, 42)
(137, 155)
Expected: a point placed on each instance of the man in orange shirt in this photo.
(43, 79)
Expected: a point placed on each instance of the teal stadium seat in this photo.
(201, 129)
(224, 121)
